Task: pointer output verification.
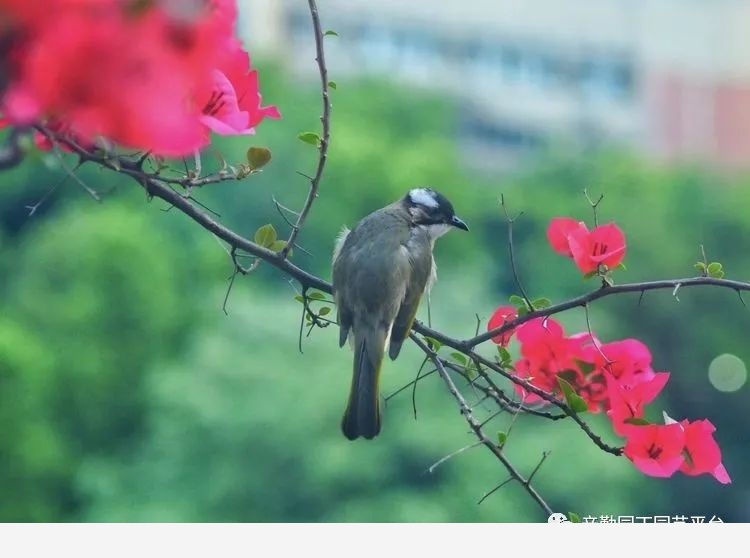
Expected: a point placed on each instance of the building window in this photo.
(607, 79)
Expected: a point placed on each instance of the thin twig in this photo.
(594, 205)
(325, 140)
(442, 460)
(510, 220)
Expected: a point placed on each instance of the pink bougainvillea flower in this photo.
(546, 354)
(629, 402)
(235, 104)
(702, 453)
(628, 361)
(138, 74)
(656, 450)
(604, 245)
(502, 315)
(558, 232)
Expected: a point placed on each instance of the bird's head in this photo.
(432, 210)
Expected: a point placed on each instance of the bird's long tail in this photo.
(362, 415)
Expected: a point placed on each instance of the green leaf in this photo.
(541, 303)
(300, 299)
(516, 300)
(622, 267)
(522, 311)
(715, 270)
(700, 266)
(330, 33)
(636, 421)
(324, 311)
(434, 344)
(265, 236)
(504, 354)
(258, 157)
(574, 401)
(310, 137)
(502, 437)
(278, 245)
(459, 358)
(315, 295)
(332, 84)
(574, 517)
(471, 371)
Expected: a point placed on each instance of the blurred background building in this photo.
(669, 78)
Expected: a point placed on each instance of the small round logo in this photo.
(557, 518)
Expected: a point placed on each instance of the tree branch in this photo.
(583, 300)
(476, 426)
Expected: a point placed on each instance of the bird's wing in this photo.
(420, 258)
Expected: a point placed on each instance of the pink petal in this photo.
(558, 232)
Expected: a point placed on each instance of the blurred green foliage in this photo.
(127, 395)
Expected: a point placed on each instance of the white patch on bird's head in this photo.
(424, 197)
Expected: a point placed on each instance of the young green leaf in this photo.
(715, 270)
(502, 437)
(516, 300)
(505, 356)
(434, 344)
(637, 421)
(574, 401)
(324, 311)
(300, 299)
(541, 303)
(258, 157)
(332, 84)
(315, 295)
(574, 517)
(266, 236)
(459, 358)
(309, 137)
(330, 33)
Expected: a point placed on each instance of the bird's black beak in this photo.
(459, 224)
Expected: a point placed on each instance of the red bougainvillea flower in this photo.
(656, 450)
(546, 354)
(604, 245)
(502, 315)
(137, 73)
(702, 453)
(234, 105)
(629, 402)
(628, 361)
(558, 232)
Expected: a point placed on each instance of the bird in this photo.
(381, 270)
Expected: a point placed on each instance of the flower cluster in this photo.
(616, 378)
(157, 75)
